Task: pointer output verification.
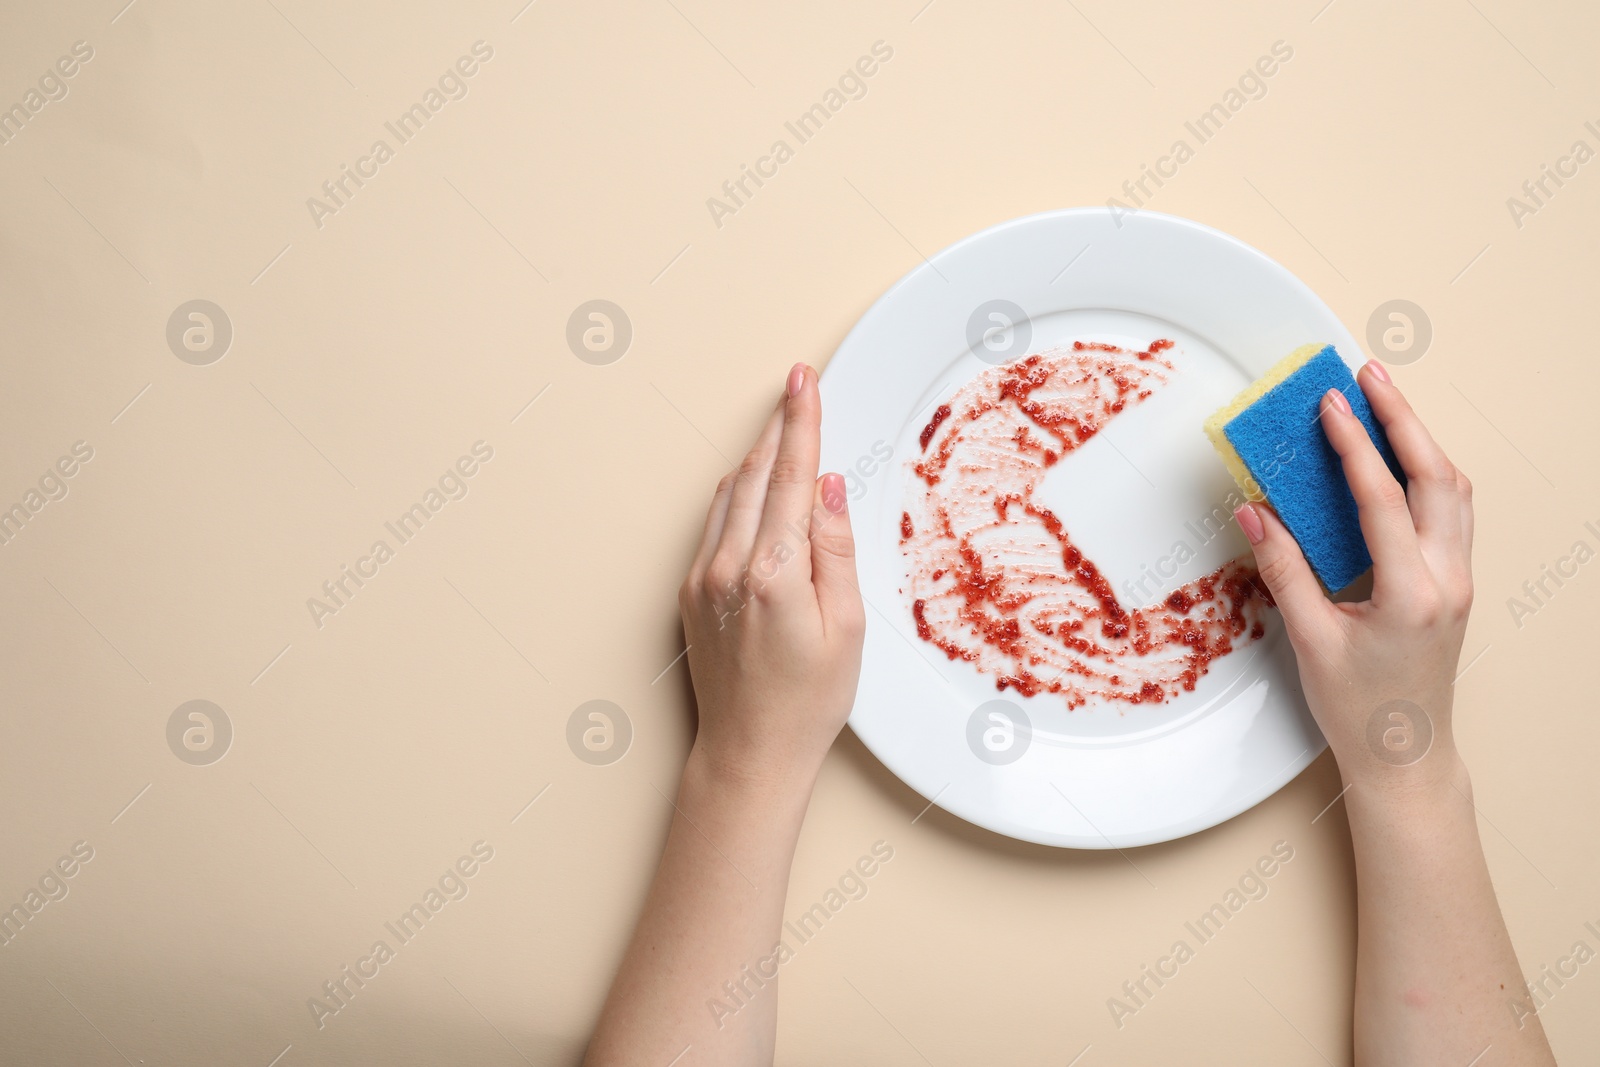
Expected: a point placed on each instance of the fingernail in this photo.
(1337, 399)
(1250, 522)
(797, 379)
(833, 495)
(1379, 372)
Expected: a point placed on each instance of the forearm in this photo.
(712, 916)
(1436, 975)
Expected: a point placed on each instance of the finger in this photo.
(1461, 570)
(1380, 502)
(716, 516)
(833, 556)
(1284, 570)
(749, 496)
(792, 487)
(1431, 477)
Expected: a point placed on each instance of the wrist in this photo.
(749, 779)
(1437, 786)
(1397, 747)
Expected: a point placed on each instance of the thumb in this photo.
(1284, 570)
(833, 554)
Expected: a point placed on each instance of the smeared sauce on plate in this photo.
(993, 576)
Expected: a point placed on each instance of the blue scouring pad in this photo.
(1272, 441)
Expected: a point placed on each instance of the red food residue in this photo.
(933, 424)
(994, 578)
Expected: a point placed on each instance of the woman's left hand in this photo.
(771, 610)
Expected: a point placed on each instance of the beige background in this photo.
(370, 353)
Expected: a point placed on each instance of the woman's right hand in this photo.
(1379, 674)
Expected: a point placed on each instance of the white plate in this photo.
(1107, 774)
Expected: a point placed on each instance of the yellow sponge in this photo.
(1258, 389)
(1272, 441)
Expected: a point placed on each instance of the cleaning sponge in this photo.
(1272, 441)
